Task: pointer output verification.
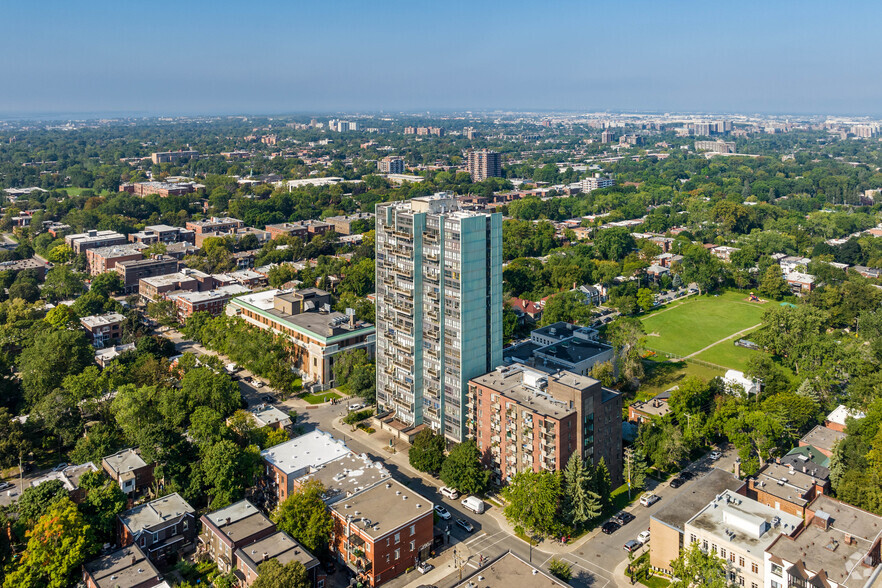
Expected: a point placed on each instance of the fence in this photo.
(675, 357)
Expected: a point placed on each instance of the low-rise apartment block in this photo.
(382, 531)
(788, 488)
(172, 156)
(293, 459)
(104, 259)
(560, 346)
(228, 529)
(186, 280)
(128, 469)
(211, 301)
(215, 225)
(282, 548)
(163, 527)
(31, 265)
(163, 234)
(81, 242)
(342, 225)
(738, 530)
(668, 525)
(317, 333)
(391, 164)
(161, 189)
(101, 329)
(132, 272)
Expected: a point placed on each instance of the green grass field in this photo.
(691, 325)
(321, 397)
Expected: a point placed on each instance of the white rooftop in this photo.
(306, 451)
(841, 413)
(99, 320)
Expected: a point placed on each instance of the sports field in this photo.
(686, 327)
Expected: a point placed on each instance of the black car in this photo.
(610, 527)
(268, 399)
(686, 475)
(677, 482)
(623, 518)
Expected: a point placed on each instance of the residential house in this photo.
(103, 357)
(230, 528)
(282, 548)
(124, 568)
(646, 411)
(837, 420)
(823, 439)
(69, 478)
(507, 570)
(788, 488)
(101, 329)
(526, 310)
(129, 470)
(165, 527)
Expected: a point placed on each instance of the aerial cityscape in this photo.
(417, 297)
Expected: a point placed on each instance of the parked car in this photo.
(425, 567)
(623, 518)
(686, 475)
(449, 493)
(6, 486)
(715, 455)
(464, 524)
(354, 407)
(649, 499)
(610, 527)
(330, 567)
(643, 537)
(268, 399)
(442, 512)
(677, 482)
(632, 546)
(474, 504)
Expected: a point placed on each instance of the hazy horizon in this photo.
(220, 58)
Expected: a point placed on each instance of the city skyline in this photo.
(312, 57)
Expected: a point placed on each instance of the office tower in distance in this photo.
(439, 308)
(484, 164)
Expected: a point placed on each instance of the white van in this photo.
(474, 504)
(449, 493)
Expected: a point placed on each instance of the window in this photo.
(777, 570)
(732, 557)
(775, 584)
(741, 561)
(692, 539)
(741, 580)
(413, 545)
(398, 540)
(753, 585)
(704, 545)
(412, 530)
(397, 554)
(387, 558)
(723, 552)
(754, 568)
(714, 548)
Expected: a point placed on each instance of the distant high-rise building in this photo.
(391, 165)
(484, 164)
(606, 137)
(702, 129)
(715, 146)
(596, 182)
(439, 308)
(470, 133)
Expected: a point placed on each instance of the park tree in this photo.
(694, 567)
(303, 515)
(579, 503)
(462, 469)
(272, 574)
(700, 267)
(427, 451)
(568, 307)
(626, 335)
(772, 283)
(57, 546)
(796, 334)
(532, 501)
(646, 299)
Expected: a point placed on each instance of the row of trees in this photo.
(460, 469)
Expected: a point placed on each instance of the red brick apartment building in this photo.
(127, 567)
(129, 470)
(215, 225)
(163, 527)
(382, 531)
(525, 419)
(211, 301)
(104, 259)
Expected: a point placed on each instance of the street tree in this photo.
(580, 504)
(533, 499)
(427, 451)
(462, 469)
(226, 470)
(696, 568)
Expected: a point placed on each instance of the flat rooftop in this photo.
(309, 450)
(99, 320)
(69, 476)
(573, 350)
(155, 512)
(239, 520)
(267, 414)
(118, 250)
(744, 523)
(508, 571)
(125, 568)
(124, 461)
(787, 483)
(384, 508)
(822, 438)
(221, 292)
(825, 549)
(841, 413)
(515, 383)
(346, 476)
(697, 495)
(279, 546)
(172, 279)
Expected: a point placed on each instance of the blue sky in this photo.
(302, 56)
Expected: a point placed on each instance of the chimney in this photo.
(134, 560)
(265, 556)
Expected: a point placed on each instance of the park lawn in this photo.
(663, 375)
(78, 191)
(695, 323)
(728, 355)
(321, 397)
